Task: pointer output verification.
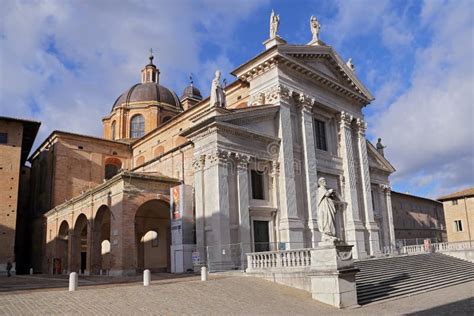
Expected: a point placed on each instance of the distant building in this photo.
(416, 217)
(16, 138)
(459, 214)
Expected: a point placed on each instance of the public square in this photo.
(230, 295)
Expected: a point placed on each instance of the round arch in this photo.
(100, 260)
(80, 255)
(153, 236)
(61, 260)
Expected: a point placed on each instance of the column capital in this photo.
(345, 119)
(242, 160)
(361, 126)
(278, 93)
(385, 188)
(217, 156)
(198, 162)
(305, 103)
(275, 171)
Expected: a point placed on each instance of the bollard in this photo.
(73, 280)
(146, 277)
(31, 271)
(203, 273)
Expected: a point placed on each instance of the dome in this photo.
(149, 91)
(191, 92)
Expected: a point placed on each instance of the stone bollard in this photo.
(31, 271)
(146, 277)
(203, 273)
(73, 280)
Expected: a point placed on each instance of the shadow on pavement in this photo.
(462, 307)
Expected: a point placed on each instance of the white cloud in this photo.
(428, 128)
(74, 58)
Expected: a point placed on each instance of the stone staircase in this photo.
(386, 278)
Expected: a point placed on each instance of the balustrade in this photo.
(298, 258)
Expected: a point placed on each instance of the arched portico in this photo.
(79, 256)
(62, 246)
(100, 258)
(153, 236)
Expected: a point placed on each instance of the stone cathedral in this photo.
(179, 181)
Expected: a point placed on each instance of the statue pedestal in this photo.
(277, 40)
(333, 275)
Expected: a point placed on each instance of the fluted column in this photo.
(290, 226)
(353, 225)
(370, 224)
(311, 176)
(243, 201)
(198, 164)
(388, 201)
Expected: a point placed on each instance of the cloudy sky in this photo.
(65, 62)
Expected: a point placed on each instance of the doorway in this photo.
(261, 236)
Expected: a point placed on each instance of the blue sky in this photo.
(65, 63)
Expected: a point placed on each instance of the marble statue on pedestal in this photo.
(326, 211)
(315, 27)
(350, 64)
(274, 24)
(217, 92)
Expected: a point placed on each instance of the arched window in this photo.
(112, 167)
(166, 119)
(112, 127)
(137, 126)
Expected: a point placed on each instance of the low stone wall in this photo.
(465, 254)
(295, 278)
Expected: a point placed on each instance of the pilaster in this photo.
(311, 177)
(243, 201)
(370, 224)
(388, 200)
(290, 226)
(354, 230)
(198, 164)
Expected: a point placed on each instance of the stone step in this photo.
(415, 290)
(400, 281)
(412, 273)
(385, 278)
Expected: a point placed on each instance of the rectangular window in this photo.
(3, 138)
(320, 130)
(458, 225)
(455, 202)
(257, 185)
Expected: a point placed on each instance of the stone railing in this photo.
(298, 258)
(438, 247)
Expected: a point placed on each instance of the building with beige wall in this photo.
(16, 138)
(173, 177)
(459, 214)
(417, 218)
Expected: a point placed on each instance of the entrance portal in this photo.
(261, 236)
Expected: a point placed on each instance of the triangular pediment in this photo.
(377, 161)
(325, 69)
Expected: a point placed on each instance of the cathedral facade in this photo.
(179, 181)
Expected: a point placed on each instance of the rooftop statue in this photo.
(326, 211)
(274, 24)
(217, 92)
(315, 27)
(380, 147)
(350, 64)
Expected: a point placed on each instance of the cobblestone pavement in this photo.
(221, 295)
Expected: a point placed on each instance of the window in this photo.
(458, 225)
(166, 119)
(113, 130)
(257, 185)
(455, 202)
(111, 170)
(3, 138)
(137, 126)
(320, 129)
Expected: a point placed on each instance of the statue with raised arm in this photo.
(350, 64)
(326, 211)
(380, 147)
(217, 92)
(274, 24)
(315, 27)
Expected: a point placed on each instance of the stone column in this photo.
(216, 201)
(311, 177)
(290, 226)
(354, 228)
(388, 201)
(243, 201)
(370, 224)
(198, 164)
